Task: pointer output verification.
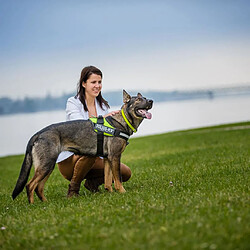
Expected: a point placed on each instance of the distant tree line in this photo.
(49, 103)
(28, 105)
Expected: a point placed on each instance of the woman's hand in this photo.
(112, 113)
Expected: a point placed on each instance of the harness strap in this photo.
(100, 138)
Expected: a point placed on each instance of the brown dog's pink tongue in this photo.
(145, 113)
(148, 115)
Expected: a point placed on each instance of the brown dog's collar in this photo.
(127, 121)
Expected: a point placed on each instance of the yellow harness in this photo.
(103, 128)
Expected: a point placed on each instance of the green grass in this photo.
(207, 207)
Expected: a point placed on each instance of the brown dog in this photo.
(80, 137)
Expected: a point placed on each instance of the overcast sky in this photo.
(146, 45)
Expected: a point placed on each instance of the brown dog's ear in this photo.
(139, 95)
(126, 97)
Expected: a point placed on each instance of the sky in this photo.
(138, 45)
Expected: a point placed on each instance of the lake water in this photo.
(15, 130)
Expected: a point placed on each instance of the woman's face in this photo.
(93, 85)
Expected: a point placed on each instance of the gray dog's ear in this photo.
(139, 95)
(126, 97)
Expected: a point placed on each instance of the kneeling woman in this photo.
(87, 103)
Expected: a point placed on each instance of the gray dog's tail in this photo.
(25, 170)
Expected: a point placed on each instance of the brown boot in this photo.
(81, 168)
(73, 189)
(93, 184)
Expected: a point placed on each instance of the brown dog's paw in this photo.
(119, 187)
(110, 189)
(122, 190)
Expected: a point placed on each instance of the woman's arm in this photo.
(74, 110)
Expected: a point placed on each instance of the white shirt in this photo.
(75, 111)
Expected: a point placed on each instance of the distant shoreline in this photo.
(9, 106)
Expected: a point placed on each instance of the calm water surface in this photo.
(15, 130)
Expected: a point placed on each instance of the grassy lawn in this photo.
(205, 207)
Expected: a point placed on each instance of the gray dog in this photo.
(94, 137)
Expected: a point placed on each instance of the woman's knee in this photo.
(66, 167)
(125, 172)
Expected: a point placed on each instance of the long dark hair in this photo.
(85, 74)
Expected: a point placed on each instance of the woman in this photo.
(87, 103)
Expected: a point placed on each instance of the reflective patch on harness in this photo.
(104, 129)
(124, 135)
(107, 129)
